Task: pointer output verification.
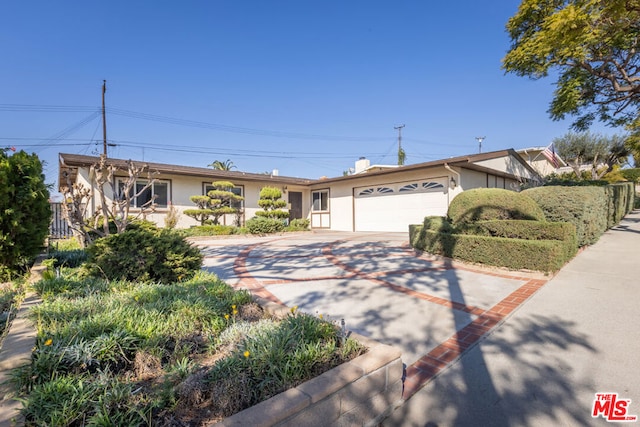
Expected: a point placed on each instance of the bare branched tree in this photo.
(123, 191)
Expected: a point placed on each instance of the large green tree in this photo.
(25, 212)
(593, 47)
(594, 152)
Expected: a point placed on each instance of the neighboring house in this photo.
(541, 163)
(378, 198)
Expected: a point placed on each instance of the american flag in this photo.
(550, 154)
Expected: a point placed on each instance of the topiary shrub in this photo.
(271, 203)
(438, 223)
(262, 225)
(486, 204)
(539, 255)
(535, 245)
(585, 207)
(144, 254)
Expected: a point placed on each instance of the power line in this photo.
(34, 108)
(237, 129)
(242, 153)
(185, 122)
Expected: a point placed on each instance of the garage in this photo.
(392, 207)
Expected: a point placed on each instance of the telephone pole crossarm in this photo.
(480, 139)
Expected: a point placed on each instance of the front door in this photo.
(295, 200)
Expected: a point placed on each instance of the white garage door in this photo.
(392, 207)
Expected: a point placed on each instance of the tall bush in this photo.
(25, 212)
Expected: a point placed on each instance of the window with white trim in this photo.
(320, 200)
(159, 188)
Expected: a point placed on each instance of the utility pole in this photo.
(401, 153)
(480, 139)
(104, 120)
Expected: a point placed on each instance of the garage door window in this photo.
(320, 201)
(374, 191)
(425, 186)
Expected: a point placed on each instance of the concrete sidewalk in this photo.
(577, 336)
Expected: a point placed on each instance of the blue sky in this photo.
(305, 87)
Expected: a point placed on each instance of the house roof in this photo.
(465, 162)
(540, 150)
(69, 163)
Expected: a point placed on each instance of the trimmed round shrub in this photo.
(144, 254)
(262, 225)
(487, 204)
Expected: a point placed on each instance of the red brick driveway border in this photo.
(427, 367)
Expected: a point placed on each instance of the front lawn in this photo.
(183, 353)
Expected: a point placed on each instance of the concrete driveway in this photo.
(433, 310)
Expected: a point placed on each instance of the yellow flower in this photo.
(136, 298)
(226, 316)
(293, 309)
(235, 312)
(233, 306)
(48, 342)
(320, 315)
(246, 353)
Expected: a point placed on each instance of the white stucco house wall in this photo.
(374, 198)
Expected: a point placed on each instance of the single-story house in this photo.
(373, 198)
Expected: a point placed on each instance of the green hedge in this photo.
(438, 223)
(584, 207)
(620, 201)
(484, 204)
(539, 255)
(528, 230)
(210, 230)
(592, 209)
